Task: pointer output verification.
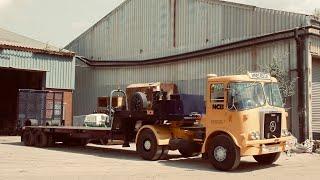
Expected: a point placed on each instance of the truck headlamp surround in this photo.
(255, 135)
(285, 133)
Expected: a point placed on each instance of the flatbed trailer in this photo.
(42, 136)
(48, 136)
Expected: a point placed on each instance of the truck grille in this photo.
(272, 125)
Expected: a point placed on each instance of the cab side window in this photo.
(217, 96)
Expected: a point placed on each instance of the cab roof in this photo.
(242, 78)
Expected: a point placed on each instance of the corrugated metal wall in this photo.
(314, 45)
(129, 32)
(144, 29)
(189, 75)
(60, 71)
(316, 96)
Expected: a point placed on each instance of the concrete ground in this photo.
(112, 162)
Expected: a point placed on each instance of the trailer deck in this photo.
(70, 128)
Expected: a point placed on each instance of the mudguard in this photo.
(217, 133)
(162, 133)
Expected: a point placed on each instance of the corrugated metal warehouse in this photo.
(181, 41)
(26, 64)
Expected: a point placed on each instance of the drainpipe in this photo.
(301, 84)
(174, 22)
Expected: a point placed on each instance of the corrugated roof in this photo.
(11, 40)
(208, 1)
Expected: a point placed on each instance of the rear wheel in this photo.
(267, 158)
(223, 153)
(147, 146)
(51, 140)
(104, 141)
(28, 138)
(41, 139)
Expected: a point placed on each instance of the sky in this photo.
(58, 22)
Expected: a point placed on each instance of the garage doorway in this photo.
(11, 80)
(316, 98)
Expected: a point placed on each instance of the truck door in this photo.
(217, 105)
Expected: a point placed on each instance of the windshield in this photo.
(243, 96)
(273, 94)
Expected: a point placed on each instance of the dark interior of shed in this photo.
(11, 80)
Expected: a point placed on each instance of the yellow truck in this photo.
(244, 116)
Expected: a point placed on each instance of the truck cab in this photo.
(244, 117)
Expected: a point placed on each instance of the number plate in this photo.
(272, 149)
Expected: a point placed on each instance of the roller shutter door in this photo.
(316, 98)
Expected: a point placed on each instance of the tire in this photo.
(189, 149)
(41, 139)
(138, 102)
(104, 141)
(147, 146)
(66, 141)
(267, 159)
(82, 142)
(51, 140)
(28, 138)
(165, 152)
(223, 154)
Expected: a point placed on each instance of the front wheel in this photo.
(267, 159)
(223, 154)
(147, 146)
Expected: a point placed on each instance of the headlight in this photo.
(255, 135)
(285, 133)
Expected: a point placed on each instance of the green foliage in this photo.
(286, 84)
(275, 68)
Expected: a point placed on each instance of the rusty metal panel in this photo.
(189, 75)
(146, 29)
(60, 71)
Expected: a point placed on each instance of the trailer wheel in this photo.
(28, 138)
(267, 158)
(82, 142)
(51, 140)
(41, 139)
(104, 141)
(147, 146)
(223, 153)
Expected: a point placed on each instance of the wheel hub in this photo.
(220, 153)
(147, 145)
